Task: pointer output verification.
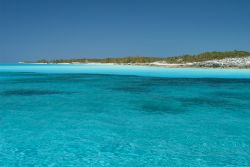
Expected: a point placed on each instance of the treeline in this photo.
(140, 59)
(136, 59)
(207, 56)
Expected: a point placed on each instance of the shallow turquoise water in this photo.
(97, 115)
(128, 70)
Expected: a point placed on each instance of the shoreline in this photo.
(154, 64)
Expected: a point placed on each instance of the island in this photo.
(227, 59)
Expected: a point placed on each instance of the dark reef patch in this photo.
(206, 101)
(232, 95)
(161, 108)
(131, 89)
(161, 105)
(30, 92)
(37, 78)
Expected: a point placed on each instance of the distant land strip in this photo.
(238, 59)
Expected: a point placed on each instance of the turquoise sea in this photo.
(111, 115)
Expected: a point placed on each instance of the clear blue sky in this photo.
(36, 29)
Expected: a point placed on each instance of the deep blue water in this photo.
(100, 115)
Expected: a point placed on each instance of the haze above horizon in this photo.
(65, 29)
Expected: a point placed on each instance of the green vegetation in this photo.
(140, 59)
(208, 56)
